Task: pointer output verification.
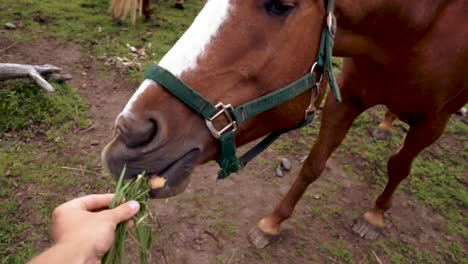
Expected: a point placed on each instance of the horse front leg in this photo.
(337, 118)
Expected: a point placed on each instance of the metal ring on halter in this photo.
(312, 69)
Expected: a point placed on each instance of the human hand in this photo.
(84, 225)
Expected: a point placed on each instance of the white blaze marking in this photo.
(184, 54)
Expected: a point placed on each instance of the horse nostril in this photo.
(136, 132)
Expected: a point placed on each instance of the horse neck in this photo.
(373, 27)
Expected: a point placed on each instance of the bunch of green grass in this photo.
(136, 190)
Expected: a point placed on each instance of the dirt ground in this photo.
(209, 222)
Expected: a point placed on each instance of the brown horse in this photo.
(408, 55)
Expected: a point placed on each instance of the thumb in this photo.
(124, 211)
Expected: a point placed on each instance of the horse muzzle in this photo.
(141, 145)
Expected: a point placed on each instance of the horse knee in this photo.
(312, 168)
(398, 167)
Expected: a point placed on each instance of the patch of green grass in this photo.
(226, 227)
(457, 129)
(20, 255)
(400, 253)
(30, 181)
(89, 23)
(337, 65)
(336, 211)
(301, 249)
(337, 250)
(284, 145)
(218, 260)
(28, 106)
(264, 254)
(456, 254)
(219, 222)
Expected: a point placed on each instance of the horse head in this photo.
(234, 52)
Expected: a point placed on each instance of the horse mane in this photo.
(121, 8)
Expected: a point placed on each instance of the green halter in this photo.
(228, 160)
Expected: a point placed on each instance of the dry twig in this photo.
(376, 257)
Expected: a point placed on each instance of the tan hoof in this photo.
(260, 239)
(366, 230)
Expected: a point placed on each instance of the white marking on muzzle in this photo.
(184, 54)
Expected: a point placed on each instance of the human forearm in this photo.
(64, 253)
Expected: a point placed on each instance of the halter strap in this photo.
(227, 159)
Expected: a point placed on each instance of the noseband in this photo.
(228, 160)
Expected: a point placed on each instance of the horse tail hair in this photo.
(121, 8)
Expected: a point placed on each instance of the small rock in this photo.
(279, 172)
(285, 164)
(9, 26)
(8, 173)
(94, 143)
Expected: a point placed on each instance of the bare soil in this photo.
(209, 222)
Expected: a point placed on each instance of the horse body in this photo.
(407, 55)
(416, 72)
(424, 57)
(428, 55)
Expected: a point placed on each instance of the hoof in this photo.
(179, 6)
(365, 230)
(381, 134)
(148, 18)
(259, 239)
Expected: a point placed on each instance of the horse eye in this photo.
(280, 7)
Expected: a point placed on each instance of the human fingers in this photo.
(130, 223)
(91, 202)
(124, 211)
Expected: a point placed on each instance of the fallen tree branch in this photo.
(35, 72)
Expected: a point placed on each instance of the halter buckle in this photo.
(223, 109)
